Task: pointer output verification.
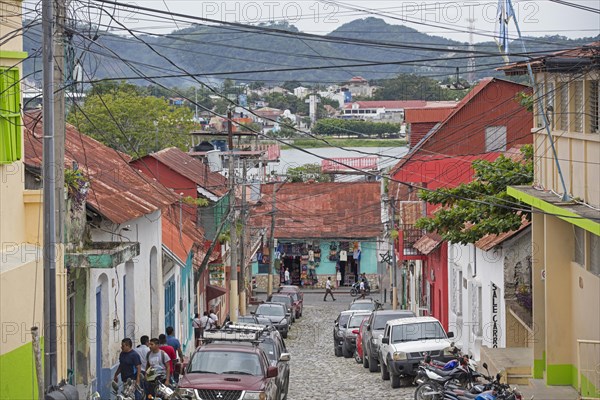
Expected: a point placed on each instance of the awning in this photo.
(428, 243)
(212, 292)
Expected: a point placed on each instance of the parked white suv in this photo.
(407, 341)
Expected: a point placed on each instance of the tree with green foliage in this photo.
(346, 127)
(307, 172)
(287, 128)
(414, 87)
(481, 207)
(122, 118)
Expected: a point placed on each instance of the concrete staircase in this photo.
(513, 363)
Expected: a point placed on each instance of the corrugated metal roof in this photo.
(192, 168)
(321, 210)
(117, 191)
(433, 114)
(180, 234)
(471, 96)
(428, 242)
(589, 51)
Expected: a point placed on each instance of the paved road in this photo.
(316, 373)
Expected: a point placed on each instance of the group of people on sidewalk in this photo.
(163, 354)
(209, 320)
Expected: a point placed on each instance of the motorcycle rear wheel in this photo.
(428, 391)
(353, 292)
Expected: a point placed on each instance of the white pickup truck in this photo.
(406, 342)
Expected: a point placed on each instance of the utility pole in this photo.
(49, 172)
(59, 116)
(272, 244)
(233, 284)
(394, 266)
(242, 282)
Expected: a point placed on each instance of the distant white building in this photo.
(301, 92)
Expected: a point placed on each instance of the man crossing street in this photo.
(328, 289)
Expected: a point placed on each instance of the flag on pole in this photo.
(503, 17)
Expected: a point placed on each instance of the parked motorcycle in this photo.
(355, 289)
(154, 384)
(127, 392)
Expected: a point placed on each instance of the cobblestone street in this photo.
(316, 373)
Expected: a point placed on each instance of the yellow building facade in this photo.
(566, 231)
(21, 222)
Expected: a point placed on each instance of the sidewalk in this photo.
(540, 391)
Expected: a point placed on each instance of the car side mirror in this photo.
(450, 334)
(385, 340)
(355, 331)
(285, 357)
(272, 372)
(252, 312)
(368, 327)
(288, 314)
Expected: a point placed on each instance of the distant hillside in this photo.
(214, 50)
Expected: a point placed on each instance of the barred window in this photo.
(594, 99)
(564, 106)
(578, 110)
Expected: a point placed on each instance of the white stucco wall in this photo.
(475, 320)
(147, 231)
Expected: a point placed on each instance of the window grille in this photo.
(579, 246)
(578, 98)
(10, 116)
(549, 101)
(594, 99)
(564, 106)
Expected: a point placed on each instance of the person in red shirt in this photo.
(162, 340)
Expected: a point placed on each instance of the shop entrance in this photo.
(292, 263)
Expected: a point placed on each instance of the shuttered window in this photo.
(578, 111)
(564, 106)
(10, 117)
(594, 99)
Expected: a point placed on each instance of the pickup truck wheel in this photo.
(385, 374)
(347, 353)
(373, 365)
(395, 381)
(284, 335)
(338, 351)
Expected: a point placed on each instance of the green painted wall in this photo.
(561, 374)
(539, 366)
(588, 389)
(17, 369)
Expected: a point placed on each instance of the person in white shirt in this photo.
(328, 289)
(286, 276)
(214, 318)
(361, 287)
(142, 349)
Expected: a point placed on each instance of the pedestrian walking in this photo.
(361, 287)
(197, 325)
(129, 364)
(159, 361)
(286, 276)
(176, 345)
(328, 289)
(162, 340)
(142, 349)
(214, 318)
(338, 277)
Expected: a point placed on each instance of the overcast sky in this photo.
(442, 18)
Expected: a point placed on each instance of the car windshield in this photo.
(418, 331)
(356, 320)
(248, 319)
(361, 306)
(344, 319)
(381, 320)
(269, 348)
(271, 309)
(264, 321)
(282, 299)
(226, 362)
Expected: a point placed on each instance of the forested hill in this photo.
(236, 53)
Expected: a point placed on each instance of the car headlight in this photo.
(399, 356)
(185, 393)
(254, 396)
(340, 333)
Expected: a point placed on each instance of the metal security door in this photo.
(170, 302)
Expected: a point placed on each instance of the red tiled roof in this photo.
(589, 51)
(192, 168)
(490, 241)
(181, 235)
(428, 242)
(321, 210)
(117, 191)
(389, 104)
